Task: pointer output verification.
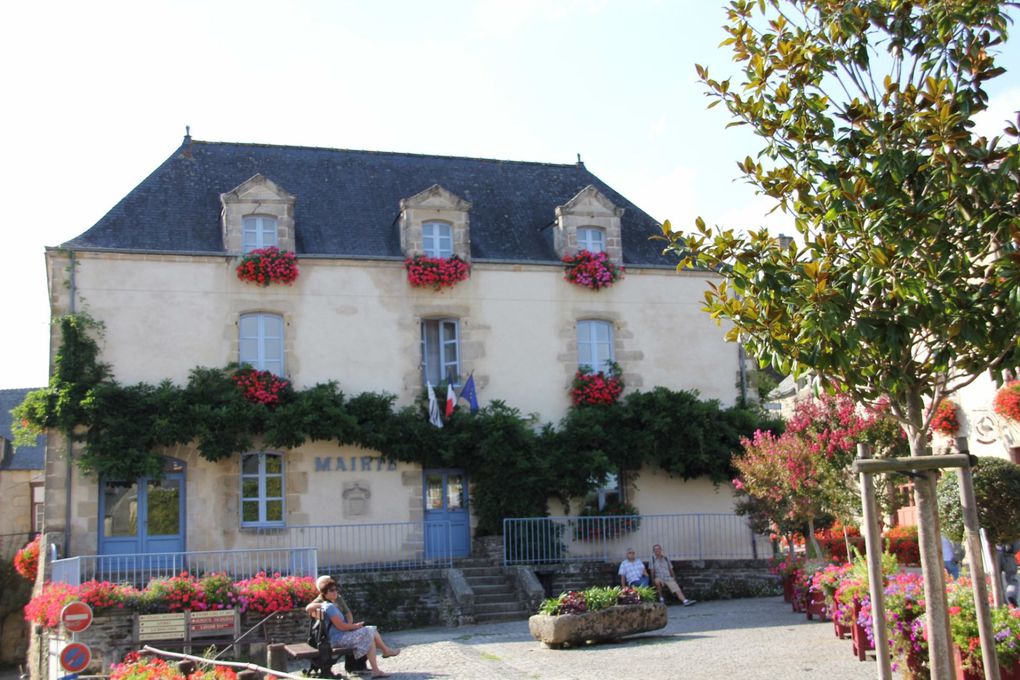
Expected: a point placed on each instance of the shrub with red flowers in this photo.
(901, 541)
(26, 560)
(573, 603)
(178, 593)
(154, 668)
(1007, 401)
(45, 607)
(264, 594)
(833, 540)
(945, 421)
(219, 592)
(104, 595)
(601, 388)
(261, 387)
(268, 265)
(591, 270)
(435, 272)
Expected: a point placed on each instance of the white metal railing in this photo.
(139, 569)
(693, 536)
(357, 547)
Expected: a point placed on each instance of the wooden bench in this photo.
(279, 652)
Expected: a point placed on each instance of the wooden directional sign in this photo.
(75, 657)
(162, 627)
(76, 617)
(212, 623)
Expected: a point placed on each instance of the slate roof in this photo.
(347, 202)
(25, 457)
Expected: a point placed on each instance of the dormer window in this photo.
(591, 239)
(259, 232)
(437, 239)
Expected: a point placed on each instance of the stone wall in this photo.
(702, 580)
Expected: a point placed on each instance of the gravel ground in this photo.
(753, 639)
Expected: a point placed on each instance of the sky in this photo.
(95, 95)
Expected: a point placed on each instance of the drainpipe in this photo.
(68, 470)
(742, 360)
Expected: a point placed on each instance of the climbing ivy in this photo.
(515, 463)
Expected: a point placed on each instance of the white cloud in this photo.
(1002, 107)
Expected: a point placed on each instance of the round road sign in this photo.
(75, 657)
(76, 616)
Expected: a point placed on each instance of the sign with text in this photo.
(212, 623)
(162, 626)
(76, 616)
(353, 464)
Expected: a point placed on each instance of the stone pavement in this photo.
(751, 639)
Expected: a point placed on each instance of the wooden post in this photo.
(876, 584)
(989, 658)
(277, 657)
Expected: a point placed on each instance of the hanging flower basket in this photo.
(1007, 401)
(591, 270)
(945, 421)
(26, 560)
(261, 387)
(268, 265)
(436, 272)
(600, 388)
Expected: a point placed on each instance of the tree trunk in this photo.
(812, 541)
(929, 542)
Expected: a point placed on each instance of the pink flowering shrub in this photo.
(261, 387)
(600, 388)
(591, 270)
(945, 421)
(1007, 401)
(135, 667)
(26, 560)
(268, 265)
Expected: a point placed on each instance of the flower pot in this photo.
(606, 624)
(1011, 673)
(787, 588)
(841, 630)
(861, 644)
(815, 605)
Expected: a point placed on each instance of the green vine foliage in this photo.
(515, 464)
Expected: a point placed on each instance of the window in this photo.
(38, 507)
(591, 239)
(594, 344)
(440, 350)
(262, 489)
(261, 342)
(437, 239)
(259, 231)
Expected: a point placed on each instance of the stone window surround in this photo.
(258, 195)
(624, 352)
(589, 208)
(233, 332)
(471, 338)
(435, 204)
(256, 524)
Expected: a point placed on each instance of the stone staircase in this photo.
(495, 595)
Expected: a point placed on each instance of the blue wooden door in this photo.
(447, 525)
(142, 517)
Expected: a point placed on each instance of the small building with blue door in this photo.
(163, 273)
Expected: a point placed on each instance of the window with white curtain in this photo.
(261, 341)
(591, 239)
(594, 344)
(440, 350)
(437, 239)
(259, 231)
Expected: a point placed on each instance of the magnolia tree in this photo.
(903, 279)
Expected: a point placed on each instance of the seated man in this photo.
(663, 575)
(632, 571)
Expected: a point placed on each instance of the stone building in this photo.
(158, 271)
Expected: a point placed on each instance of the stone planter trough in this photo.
(606, 624)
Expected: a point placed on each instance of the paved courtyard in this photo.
(754, 639)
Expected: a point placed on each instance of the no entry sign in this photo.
(76, 617)
(75, 657)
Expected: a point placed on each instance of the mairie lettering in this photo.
(353, 464)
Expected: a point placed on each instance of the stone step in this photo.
(497, 598)
(481, 571)
(475, 581)
(498, 608)
(462, 562)
(494, 589)
(497, 617)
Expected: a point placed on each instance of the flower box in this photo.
(842, 631)
(591, 270)
(263, 266)
(963, 673)
(435, 272)
(862, 644)
(787, 588)
(1007, 401)
(611, 623)
(814, 605)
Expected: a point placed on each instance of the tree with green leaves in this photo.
(902, 281)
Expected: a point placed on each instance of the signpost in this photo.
(75, 657)
(76, 616)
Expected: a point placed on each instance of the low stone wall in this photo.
(702, 580)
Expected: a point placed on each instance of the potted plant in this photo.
(597, 614)
(436, 272)
(596, 388)
(26, 560)
(263, 266)
(1007, 401)
(261, 387)
(904, 615)
(966, 642)
(945, 421)
(591, 270)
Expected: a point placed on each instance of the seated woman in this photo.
(345, 632)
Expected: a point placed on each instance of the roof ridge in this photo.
(384, 153)
(19, 389)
